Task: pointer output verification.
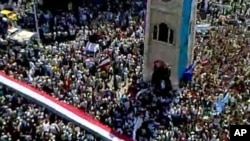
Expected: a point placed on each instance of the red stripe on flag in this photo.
(71, 108)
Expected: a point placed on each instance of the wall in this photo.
(192, 34)
(184, 36)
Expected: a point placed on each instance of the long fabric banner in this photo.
(65, 110)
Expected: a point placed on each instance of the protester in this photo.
(25, 121)
(93, 61)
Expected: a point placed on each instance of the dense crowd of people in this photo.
(114, 93)
(22, 120)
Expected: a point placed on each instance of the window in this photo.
(171, 38)
(163, 32)
(167, 34)
(155, 33)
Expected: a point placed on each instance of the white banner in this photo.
(92, 47)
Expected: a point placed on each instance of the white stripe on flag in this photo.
(105, 62)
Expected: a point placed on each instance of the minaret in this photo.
(169, 36)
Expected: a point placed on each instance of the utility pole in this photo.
(36, 21)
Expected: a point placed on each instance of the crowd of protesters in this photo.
(202, 109)
(22, 120)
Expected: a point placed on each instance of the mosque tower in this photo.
(169, 36)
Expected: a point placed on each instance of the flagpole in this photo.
(36, 21)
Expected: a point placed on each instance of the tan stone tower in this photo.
(168, 35)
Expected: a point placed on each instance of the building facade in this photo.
(169, 36)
